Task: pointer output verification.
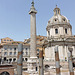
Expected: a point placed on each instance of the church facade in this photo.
(59, 32)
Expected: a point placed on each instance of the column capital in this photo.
(32, 9)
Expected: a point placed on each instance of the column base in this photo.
(32, 65)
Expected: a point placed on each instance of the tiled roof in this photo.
(40, 40)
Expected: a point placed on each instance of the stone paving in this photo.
(64, 72)
(52, 72)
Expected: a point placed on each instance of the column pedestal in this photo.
(32, 65)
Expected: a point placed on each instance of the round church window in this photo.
(55, 19)
(64, 19)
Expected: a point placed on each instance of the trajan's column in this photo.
(32, 62)
(33, 31)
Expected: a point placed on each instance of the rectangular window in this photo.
(14, 53)
(10, 48)
(26, 48)
(48, 33)
(23, 53)
(15, 49)
(56, 12)
(37, 53)
(10, 53)
(5, 53)
(56, 31)
(22, 59)
(4, 40)
(26, 53)
(5, 48)
(38, 50)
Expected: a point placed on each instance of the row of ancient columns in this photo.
(70, 62)
(57, 62)
(41, 72)
(19, 61)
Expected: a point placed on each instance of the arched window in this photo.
(56, 12)
(63, 19)
(14, 59)
(66, 31)
(26, 59)
(5, 58)
(48, 32)
(5, 73)
(22, 59)
(56, 31)
(47, 66)
(10, 59)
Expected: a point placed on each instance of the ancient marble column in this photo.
(19, 59)
(32, 61)
(70, 61)
(41, 72)
(57, 61)
(33, 31)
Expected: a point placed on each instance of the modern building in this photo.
(59, 32)
(9, 50)
(6, 40)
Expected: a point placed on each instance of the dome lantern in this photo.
(56, 11)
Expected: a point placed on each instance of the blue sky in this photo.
(15, 18)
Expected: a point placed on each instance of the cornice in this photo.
(58, 25)
(62, 43)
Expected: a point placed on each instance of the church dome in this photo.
(58, 18)
(58, 25)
